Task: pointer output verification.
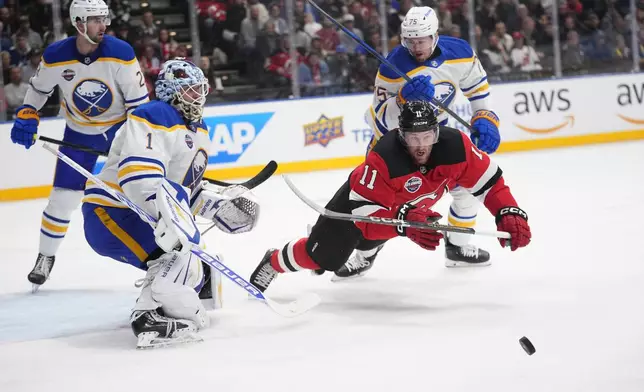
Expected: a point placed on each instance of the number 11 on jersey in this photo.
(364, 177)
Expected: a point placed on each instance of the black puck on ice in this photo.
(527, 345)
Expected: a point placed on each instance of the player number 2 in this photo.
(364, 177)
(140, 75)
(149, 136)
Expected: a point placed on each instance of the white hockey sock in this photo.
(55, 219)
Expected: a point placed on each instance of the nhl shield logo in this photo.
(413, 184)
(323, 131)
(68, 74)
(189, 142)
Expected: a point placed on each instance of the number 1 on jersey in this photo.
(149, 136)
(364, 177)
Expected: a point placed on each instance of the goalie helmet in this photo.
(419, 22)
(417, 124)
(84, 9)
(183, 85)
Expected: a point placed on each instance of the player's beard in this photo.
(421, 56)
(98, 37)
(420, 154)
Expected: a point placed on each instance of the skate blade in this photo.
(35, 288)
(335, 278)
(151, 340)
(465, 264)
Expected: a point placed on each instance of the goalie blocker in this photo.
(405, 174)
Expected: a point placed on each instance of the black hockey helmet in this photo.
(417, 117)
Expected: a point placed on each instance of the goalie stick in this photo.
(387, 221)
(291, 309)
(263, 175)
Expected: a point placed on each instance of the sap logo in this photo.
(231, 135)
(630, 94)
(542, 101)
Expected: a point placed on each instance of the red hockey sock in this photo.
(293, 257)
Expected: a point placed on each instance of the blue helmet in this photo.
(183, 85)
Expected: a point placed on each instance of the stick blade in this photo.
(295, 308)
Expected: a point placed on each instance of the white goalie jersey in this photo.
(456, 67)
(153, 144)
(96, 90)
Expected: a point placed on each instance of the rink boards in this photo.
(331, 133)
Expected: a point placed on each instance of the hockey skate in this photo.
(465, 256)
(154, 330)
(357, 265)
(40, 273)
(264, 274)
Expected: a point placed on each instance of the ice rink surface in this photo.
(411, 324)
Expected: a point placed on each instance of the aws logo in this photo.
(630, 95)
(232, 135)
(92, 97)
(544, 101)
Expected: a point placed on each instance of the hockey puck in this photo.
(527, 345)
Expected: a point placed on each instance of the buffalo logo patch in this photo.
(413, 184)
(189, 141)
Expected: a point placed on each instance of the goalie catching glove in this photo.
(233, 209)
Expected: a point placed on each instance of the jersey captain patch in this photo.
(92, 97)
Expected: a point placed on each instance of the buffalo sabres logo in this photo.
(196, 170)
(92, 97)
(444, 93)
(413, 184)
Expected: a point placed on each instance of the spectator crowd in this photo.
(252, 38)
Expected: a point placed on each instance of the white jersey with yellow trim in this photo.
(154, 143)
(452, 66)
(96, 89)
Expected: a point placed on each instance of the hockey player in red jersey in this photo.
(402, 177)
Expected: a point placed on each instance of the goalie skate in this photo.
(465, 256)
(154, 330)
(40, 273)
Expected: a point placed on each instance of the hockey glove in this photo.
(419, 88)
(26, 126)
(232, 209)
(486, 131)
(515, 221)
(427, 239)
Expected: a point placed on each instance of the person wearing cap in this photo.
(29, 69)
(33, 38)
(345, 40)
(523, 57)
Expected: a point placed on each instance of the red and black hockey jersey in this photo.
(389, 177)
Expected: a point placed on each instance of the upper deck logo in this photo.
(68, 74)
(323, 131)
(92, 97)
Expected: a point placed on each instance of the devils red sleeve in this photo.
(483, 178)
(373, 194)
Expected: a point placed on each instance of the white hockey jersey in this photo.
(153, 143)
(96, 90)
(452, 66)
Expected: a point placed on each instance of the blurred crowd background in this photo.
(247, 48)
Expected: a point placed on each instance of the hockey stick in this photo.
(386, 62)
(264, 174)
(291, 309)
(389, 222)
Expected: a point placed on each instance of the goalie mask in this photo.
(419, 32)
(418, 129)
(183, 85)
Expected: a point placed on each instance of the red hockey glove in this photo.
(515, 221)
(427, 239)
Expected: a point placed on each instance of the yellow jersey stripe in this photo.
(467, 60)
(115, 60)
(121, 234)
(156, 126)
(458, 223)
(52, 227)
(137, 168)
(478, 90)
(58, 64)
(399, 80)
(102, 201)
